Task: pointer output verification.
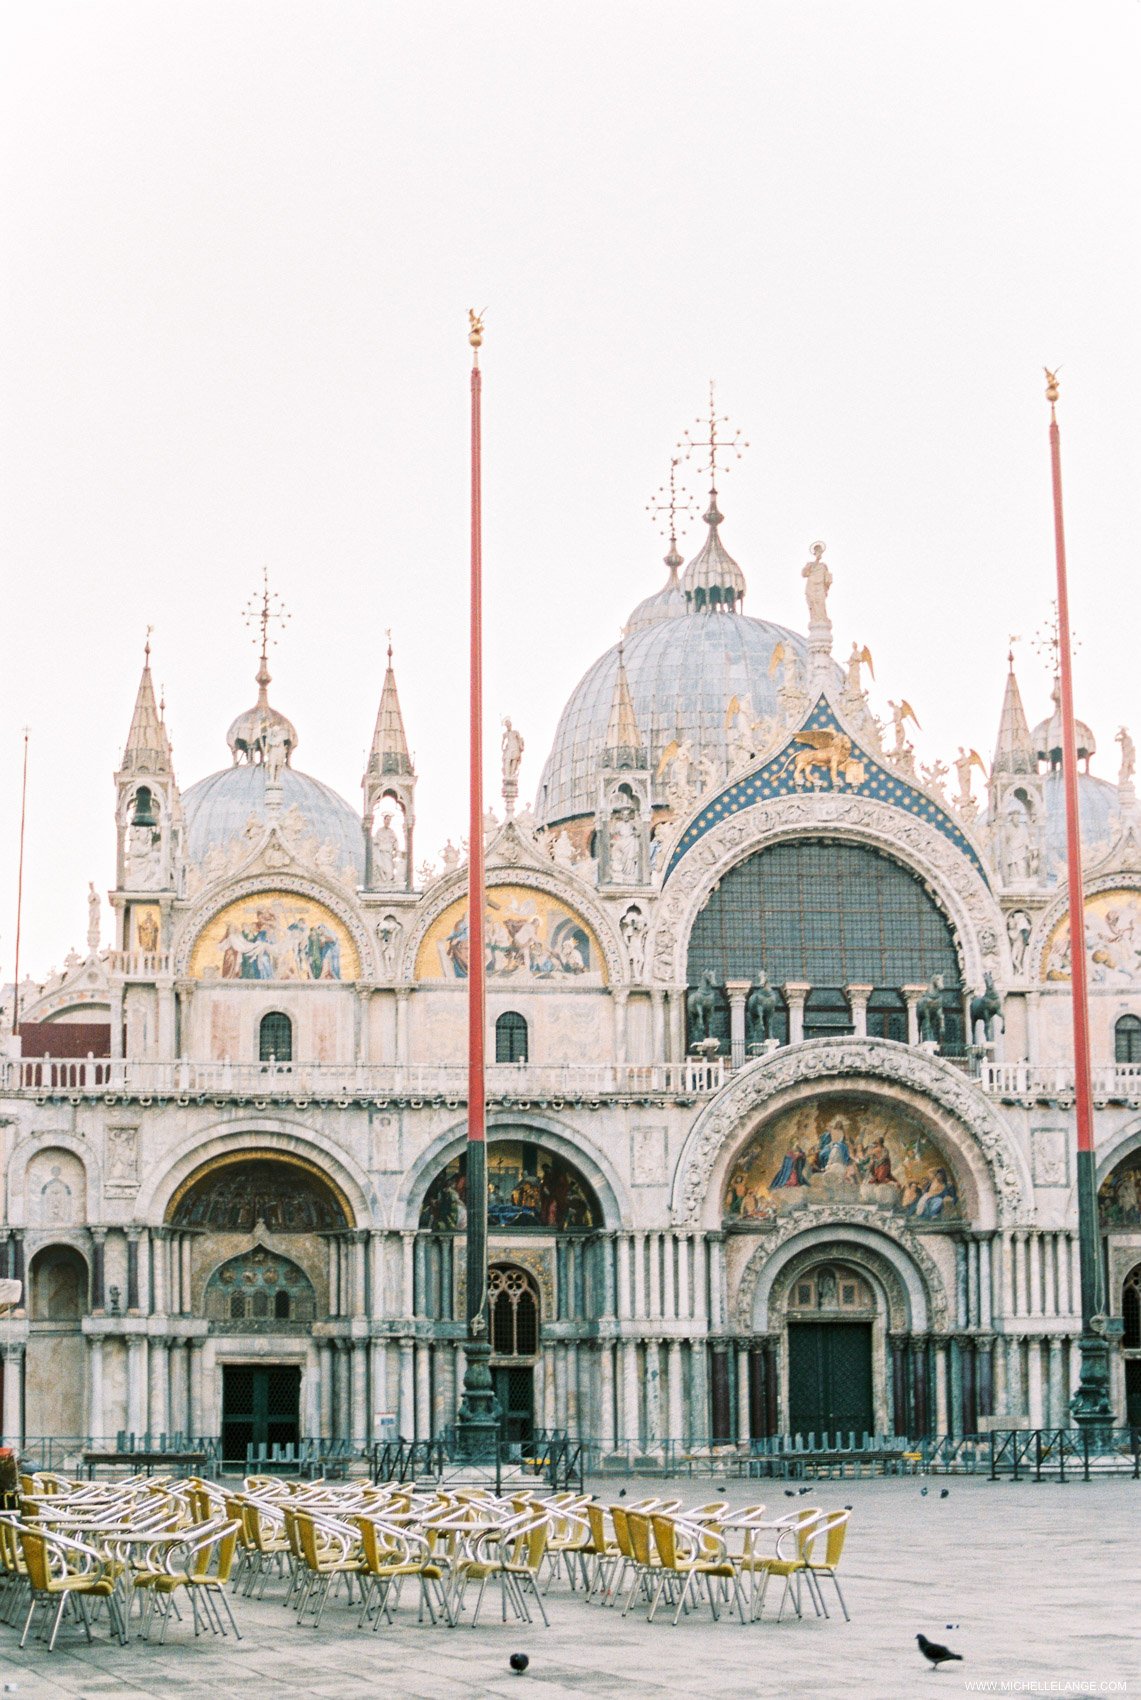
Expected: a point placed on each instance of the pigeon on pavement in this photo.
(518, 1663)
(923, 1491)
(935, 1653)
(944, 1493)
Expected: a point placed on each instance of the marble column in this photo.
(743, 1425)
(376, 1306)
(606, 1396)
(700, 1281)
(619, 997)
(197, 1407)
(1001, 1393)
(1050, 1274)
(380, 1405)
(631, 1416)
(1059, 1416)
(738, 991)
(14, 1356)
(700, 1425)
(98, 1251)
(158, 1415)
(325, 1389)
(986, 1285)
(402, 996)
(1034, 1382)
(657, 1026)
(684, 1299)
(911, 997)
(716, 1281)
(653, 1390)
(423, 1390)
(795, 994)
(858, 1004)
(654, 1298)
(408, 1284)
(159, 1263)
(185, 1290)
(95, 1414)
(638, 1249)
(1036, 1306)
(941, 1418)
(623, 1249)
(359, 1425)
(137, 1384)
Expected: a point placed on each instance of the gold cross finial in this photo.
(1048, 639)
(260, 612)
(714, 443)
(674, 504)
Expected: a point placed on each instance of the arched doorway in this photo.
(58, 1289)
(265, 1245)
(513, 1317)
(1131, 1345)
(830, 1312)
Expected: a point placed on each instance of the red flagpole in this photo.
(477, 1424)
(20, 893)
(1090, 1404)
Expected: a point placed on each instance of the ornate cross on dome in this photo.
(675, 504)
(261, 611)
(714, 443)
(1048, 640)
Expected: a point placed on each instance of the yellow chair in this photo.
(832, 1532)
(328, 1552)
(801, 1525)
(61, 1569)
(513, 1553)
(390, 1555)
(693, 1554)
(604, 1552)
(645, 1562)
(207, 1558)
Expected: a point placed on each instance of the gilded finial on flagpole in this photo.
(475, 330)
(1051, 386)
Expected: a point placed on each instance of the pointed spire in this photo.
(624, 743)
(147, 749)
(1014, 751)
(389, 752)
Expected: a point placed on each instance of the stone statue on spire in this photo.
(512, 750)
(817, 583)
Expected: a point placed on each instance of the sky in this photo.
(239, 243)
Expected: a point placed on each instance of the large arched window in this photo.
(275, 1038)
(827, 915)
(1127, 1039)
(513, 1302)
(510, 1038)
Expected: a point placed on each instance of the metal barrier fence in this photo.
(550, 1456)
(1031, 1454)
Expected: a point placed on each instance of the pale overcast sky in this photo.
(238, 245)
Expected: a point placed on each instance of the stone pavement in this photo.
(1040, 1582)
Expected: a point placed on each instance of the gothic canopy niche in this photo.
(277, 936)
(916, 843)
(533, 938)
(877, 1080)
(528, 1187)
(232, 1195)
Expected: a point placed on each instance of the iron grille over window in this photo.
(1127, 1039)
(887, 1015)
(275, 1038)
(514, 1305)
(510, 1038)
(826, 1012)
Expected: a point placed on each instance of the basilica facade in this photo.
(780, 1113)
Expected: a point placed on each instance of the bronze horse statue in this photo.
(985, 1007)
(700, 1002)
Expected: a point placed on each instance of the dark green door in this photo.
(261, 1406)
(1133, 1392)
(829, 1377)
(515, 1391)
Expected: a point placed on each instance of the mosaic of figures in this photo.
(287, 1198)
(529, 936)
(274, 936)
(527, 1187)
(841, 1150)
(1113, 941)
(1119, 1196)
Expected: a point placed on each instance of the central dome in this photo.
(683, 673)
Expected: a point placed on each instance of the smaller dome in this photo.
(218, 810)
(260, 729)
(1099, 810)
(713, 579)
(1047, 736)
(668, 603)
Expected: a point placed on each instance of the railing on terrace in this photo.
(1056, 1080)
(520, 1084)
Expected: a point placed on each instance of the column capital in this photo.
(796, 989)
(860, 994)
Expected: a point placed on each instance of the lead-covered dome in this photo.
(219, 809)
(688, 653)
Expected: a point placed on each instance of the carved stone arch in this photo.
(31, 1146)
(933, 1089)
(224, 892)
(1048, 919)
(558, 1136)
(258, 1136)
(564, 887)
(917, 1301)
(951, 878)
(1122, 1144)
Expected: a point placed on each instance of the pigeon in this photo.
(803, 1491)
(847, 1508)
(952, 1626)
(944, 1493)
(938, 1655)
(923, 1491)
(520, 1661)
(790, 1493)
(621, 1493)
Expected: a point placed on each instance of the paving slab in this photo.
(1039, 1581)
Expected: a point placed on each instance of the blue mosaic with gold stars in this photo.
(822, 756)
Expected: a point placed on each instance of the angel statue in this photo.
(858, 658)
(900, 712)
(963, 763)
(1128, 756)
(676, 765)
(817, 584)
